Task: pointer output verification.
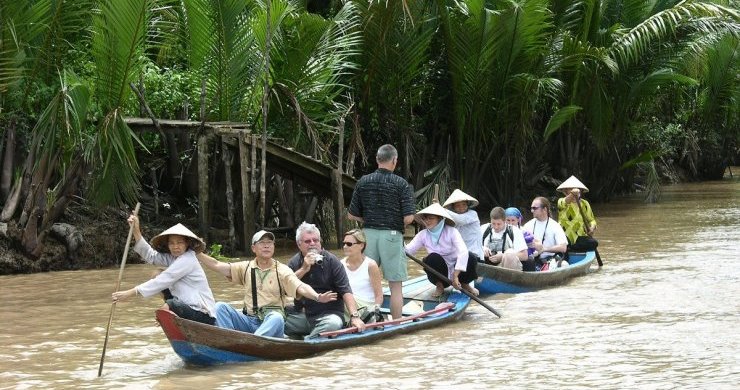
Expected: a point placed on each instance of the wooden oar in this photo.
(585, 228)
(443, 307)
(448, 281)
(118, 285)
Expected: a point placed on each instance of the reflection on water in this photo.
(661, 314)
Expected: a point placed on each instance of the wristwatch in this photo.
(355, 314)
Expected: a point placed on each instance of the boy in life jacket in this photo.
(504, 245)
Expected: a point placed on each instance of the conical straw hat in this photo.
(438, 210)
(572, 182)
(459, 196)
(159, 242)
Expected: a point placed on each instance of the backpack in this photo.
(507, 232)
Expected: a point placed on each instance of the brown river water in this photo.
(663, 313)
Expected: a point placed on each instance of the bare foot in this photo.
(471, 289)
(438, 291)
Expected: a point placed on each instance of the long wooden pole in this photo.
(586, 229)
(448, 281)
(118, 285)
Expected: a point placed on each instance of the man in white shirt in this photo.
(549, 237)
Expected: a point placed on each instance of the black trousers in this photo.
(184, 311)
(437, 263)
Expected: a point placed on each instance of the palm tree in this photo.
(632, 48)
(500, 63)
(63, 148)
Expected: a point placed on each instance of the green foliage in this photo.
(666, 140)
(215, 252)
(166, 91)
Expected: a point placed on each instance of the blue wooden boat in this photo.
(201, 344)
(495, 280)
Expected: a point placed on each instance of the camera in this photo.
(318, 259)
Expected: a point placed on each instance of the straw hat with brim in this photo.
(459, 196)
(159, 242)
(572, 182)
(438, 210)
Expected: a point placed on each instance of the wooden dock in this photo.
(238, 141)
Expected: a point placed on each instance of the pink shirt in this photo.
(450, 246)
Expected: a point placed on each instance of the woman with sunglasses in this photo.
(364, 275)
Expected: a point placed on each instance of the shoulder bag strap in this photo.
(254, 293)
(486, 234)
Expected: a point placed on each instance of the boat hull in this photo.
(202, 344)
(497, 280)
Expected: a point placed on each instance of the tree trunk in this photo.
(69, 236)
(6, 179)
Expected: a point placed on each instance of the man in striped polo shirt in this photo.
(384, 203)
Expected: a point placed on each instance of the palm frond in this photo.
(559, 118)
(650, 83)
(119, 33)
(632, 45)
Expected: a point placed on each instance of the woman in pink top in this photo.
(363, 273)
(448, 254)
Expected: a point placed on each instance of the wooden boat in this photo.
(493, 279)
(201, 344)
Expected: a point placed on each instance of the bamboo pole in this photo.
(118, 286)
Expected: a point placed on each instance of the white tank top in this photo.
(359, 280)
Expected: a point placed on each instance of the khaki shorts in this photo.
(386, 248)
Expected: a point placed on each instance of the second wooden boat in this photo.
(495, 280)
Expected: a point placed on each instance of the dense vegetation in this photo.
(498, 97)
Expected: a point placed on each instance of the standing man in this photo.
(267, 284)
(384, 203)
(322, 271)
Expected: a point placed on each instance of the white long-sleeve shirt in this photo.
(468, 224)
(183, 276)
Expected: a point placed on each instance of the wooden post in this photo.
(338, 191)
(247, 200)
(227, 158)
(203, 201)
(253, 165)
(338, 195)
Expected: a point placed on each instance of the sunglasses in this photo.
(312, 240)
(348, 244)
(535, 207)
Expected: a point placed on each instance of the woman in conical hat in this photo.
(466, 220)
(448, 254)
(574, 213)
(174, 249)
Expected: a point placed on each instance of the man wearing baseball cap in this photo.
(267, 283)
